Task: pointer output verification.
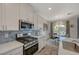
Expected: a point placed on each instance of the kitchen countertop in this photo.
(9, 46)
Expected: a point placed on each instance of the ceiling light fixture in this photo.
(50, 8)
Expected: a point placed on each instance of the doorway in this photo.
(59, 29)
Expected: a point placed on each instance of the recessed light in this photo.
(50, 8)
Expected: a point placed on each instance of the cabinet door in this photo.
(35, 21)
(40, 22)
(23, 10)
(11, 16)
(1, 18)
(26, 12)
(42, 42)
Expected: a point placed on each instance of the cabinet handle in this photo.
(6, 27)
(3, 28)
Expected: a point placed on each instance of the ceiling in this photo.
(58, 11)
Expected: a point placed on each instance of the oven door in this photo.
(31, 50)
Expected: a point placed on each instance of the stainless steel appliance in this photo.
(30, 48)
(23, 25)
(30, 44)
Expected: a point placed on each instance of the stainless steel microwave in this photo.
(25, 25)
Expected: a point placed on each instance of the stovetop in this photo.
(26, 40)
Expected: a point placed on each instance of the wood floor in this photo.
(51, 48)
(48, 50)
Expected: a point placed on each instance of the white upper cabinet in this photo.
(0, 17)
(26, 12)
(23, 14)
(10, 16)
(35, 21)
(11, 13)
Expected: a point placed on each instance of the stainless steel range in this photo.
(30, 44)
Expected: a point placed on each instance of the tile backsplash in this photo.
(7, 36)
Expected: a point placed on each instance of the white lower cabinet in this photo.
(42, 42)
(17, 51)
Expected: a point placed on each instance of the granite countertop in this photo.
(9, 46)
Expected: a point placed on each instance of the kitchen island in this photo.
(66, 49)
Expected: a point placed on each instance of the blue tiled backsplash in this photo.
(11, 36)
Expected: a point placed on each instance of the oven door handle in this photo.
(26, 47)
